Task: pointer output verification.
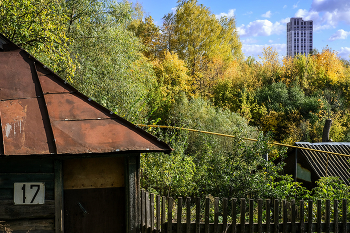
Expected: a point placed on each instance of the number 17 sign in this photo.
(29, 193)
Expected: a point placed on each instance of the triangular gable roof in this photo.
(41, 114)
(336, 165)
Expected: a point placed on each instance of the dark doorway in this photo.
(94, 195)
(99, 210)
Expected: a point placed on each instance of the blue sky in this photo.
(263, 23)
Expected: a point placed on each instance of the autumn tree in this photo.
(197, 36)
(150, 35)
(169, 40)
(172, 82)
(270, 71)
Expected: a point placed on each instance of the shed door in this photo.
(94, 195)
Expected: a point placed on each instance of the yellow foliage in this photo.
(233, 69)
(271, 67)
(329, 65)
(172, 74)
(339, 127)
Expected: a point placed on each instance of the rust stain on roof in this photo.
(23, 129)
(41, 114)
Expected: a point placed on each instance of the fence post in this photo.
(293, 216)
(198, 214)
(344, 215)
(142, 210)
(251, 215)
(285, 220)
(336, 220)
(224, 217)
(170, 214)
(268, 218)
(328, 215)
(147, 213)
(234, 215)
(242, 214)
(163, 214)
(276, 215)
(216, 214)
(188, 210)
(319, 216)
(206, 215)
(302, 225)
(260, 203)
(179, 215)
(158, 213)
(151, 212)
(309, 218)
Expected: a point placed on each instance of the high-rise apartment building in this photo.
(299, 36)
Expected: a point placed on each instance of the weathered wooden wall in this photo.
(26, 218)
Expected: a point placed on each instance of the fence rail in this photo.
(186, 215)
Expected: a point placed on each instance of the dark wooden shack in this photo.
(308, 166)
(67, 164)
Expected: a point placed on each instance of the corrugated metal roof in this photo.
(41, 114)
(337, 165)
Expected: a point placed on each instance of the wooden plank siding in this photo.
(26, 218)
(227, 215)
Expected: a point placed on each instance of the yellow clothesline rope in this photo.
(232, 136)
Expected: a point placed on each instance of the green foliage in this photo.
(111, 68)
(169, 175)
(39, 27)
(280, 98)
(206, 164)
(331, 188)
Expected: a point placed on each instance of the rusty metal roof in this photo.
(41, 114)
(336, 166)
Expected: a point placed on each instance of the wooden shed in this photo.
(67, 164)
(308, 166)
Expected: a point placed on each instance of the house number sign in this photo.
(29, 193)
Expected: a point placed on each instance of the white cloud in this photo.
(285, 6)
(267, 14)
(248, 13)
(344, 53)
(319, 21)
(249, 41)
(330, 5)
(307, 15)
(256, 50)
(230, 14)
(270, 41)
(326, 13)
(261, 28)
(296, 5)
(284, 21)
(339, 35)
(174, 9)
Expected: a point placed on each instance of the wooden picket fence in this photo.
(260, 216)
